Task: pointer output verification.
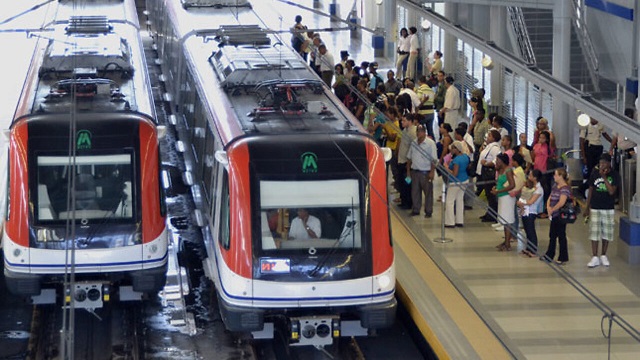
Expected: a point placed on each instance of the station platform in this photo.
(531, 311)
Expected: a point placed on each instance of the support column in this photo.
(563, 123)
(634, 206)
(497, 34)
(450, 52)
(377, 40)
(390, 24)
(334, 8)
(629, 247)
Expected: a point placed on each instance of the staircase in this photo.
(539, 23)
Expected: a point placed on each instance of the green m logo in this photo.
(83, 140)
(309, 163)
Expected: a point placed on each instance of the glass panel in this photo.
(225, 231)
(534, 111)
(291, 217)
(402, 18)
(103, 187)
(207, 170)
(507, 106)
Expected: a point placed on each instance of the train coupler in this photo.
(314, 330)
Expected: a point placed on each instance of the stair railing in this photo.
(522, 35)
(590, 56)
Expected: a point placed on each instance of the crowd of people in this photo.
(521, 181)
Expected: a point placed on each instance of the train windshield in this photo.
(310, 214)
(103, 188)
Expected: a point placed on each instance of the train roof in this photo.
(192, 16)
(268, 87)
(92, 58)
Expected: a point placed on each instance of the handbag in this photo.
(487, 173)
(471, 168)
(552, 163)
(568, 213)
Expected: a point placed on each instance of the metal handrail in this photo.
(590, 56)
(520, 28)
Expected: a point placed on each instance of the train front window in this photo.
(103, 188)
(310, 214)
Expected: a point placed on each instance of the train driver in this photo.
(305, 226)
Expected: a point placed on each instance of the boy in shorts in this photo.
(603, 187)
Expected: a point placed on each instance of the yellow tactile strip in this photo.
(479, 336)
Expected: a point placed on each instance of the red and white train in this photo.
(291, 189)
(84, 194)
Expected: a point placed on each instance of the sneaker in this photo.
(496, 225)
(498, 228)
(604, 260)
(594, 262)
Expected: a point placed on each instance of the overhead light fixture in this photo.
(584, 119)
(426, 24)
(379, 2)
(487, 63)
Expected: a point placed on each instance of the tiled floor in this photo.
(540, 312)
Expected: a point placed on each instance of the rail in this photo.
(522, 35)
(586, 45)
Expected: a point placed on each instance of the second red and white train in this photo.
(291, 188)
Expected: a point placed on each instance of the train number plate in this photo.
(275, 266)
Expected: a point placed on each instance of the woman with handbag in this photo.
(560, 194)
(486, 171)
(542, 158)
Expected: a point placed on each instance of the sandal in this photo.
(504, 247)
(527, 253)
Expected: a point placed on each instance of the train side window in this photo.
(207, 164)
(225, 235)
(198, 134)
(163, 202)
(8, 193)
(187, 98)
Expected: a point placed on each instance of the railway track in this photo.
(112, 333)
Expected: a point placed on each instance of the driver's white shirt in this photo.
(298, 230)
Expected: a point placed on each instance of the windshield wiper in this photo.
(349, 230)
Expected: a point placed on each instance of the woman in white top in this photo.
(487, 160)
(529, 205)
(414, 49)
(403, 52)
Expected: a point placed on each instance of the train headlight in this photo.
(384, 281)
